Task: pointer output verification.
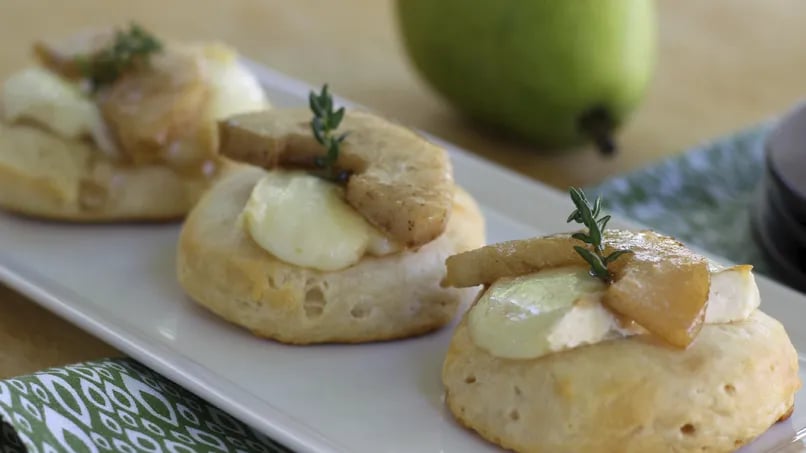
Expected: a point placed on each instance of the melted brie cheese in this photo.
(304, 220)
(553, 310)
(234, 88)
(733, 295)
(40, 96)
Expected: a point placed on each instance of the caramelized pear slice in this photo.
(485, 265)
(401, 183)
(158, 113)
(662, 285)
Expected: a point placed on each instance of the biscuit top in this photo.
(562, 308)
(399, 182)
(539, 297)
(304, 220)
(159, 108)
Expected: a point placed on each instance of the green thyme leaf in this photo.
(598, 267)
(129, 48)
(587, 215)
(324, 123)
(613, 256)
(603, 222)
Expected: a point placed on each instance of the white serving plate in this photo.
(117, 282)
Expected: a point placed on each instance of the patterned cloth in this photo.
(702, 197)
(116, 405)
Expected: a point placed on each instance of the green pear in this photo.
(555, 72)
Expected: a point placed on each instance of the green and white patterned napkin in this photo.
(702, 197)
(119, 405)
(116, 405)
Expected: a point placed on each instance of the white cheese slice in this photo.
(733, 295)
(234, 89)
(558, 309)
(304, 220)
(40, 96)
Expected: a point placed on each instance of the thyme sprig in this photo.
(127, 49)
(588, 215)
(323, 125)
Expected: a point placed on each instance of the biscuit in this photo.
(378, 298)
(631, 394)
(43, 175)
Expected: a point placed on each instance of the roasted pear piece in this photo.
(64, 56)
(158, 113)
(485, 265)
(661, 285)
(399, 182)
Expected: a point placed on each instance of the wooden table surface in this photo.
(723, 65)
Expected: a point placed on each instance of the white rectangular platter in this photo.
(117, 282)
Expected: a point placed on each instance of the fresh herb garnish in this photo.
(128, 48)
(589, 216)
(323, 125)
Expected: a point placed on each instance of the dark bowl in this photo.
(785, 262)
(779, 211)
(785, 156)
(790, 230)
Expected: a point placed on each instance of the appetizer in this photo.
(115, 125)
(614, 341)
(337, 232)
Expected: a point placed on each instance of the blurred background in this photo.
(721, 65)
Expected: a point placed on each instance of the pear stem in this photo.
(598, 125)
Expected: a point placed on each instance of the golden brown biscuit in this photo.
(44, 175)
(379, 298)
(629, 395)
(83, 142)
